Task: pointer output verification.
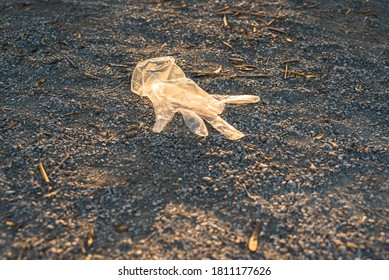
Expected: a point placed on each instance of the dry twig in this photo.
(67, 58)
(60, 164)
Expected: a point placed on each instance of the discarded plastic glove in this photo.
(161, 80)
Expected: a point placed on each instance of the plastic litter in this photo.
(170, 91)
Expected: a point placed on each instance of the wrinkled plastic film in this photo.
(170, 91)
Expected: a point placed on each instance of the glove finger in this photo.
(225, 128)
(237, 99)
(194, 122)
(162, 118)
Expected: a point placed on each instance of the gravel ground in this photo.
(310, 179)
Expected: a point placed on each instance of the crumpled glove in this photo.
(166, 85)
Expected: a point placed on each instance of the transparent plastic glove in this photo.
(161, 80)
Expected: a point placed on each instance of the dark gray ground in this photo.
(313, 168)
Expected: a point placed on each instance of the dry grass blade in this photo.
(270, 22)
(333, 144)
(82, 245)
(164, 45)
(347, 11)
(41, 81)
(305, 75)
(43, 173)
(277, 30)
(118, 65)
(9, 126)
(368, 13)
(245, 67)
(121, 228)
(51, 194)
(310, 75)
(218, 70)
(236, 59)
(352, 245)
(4, 181)
(320, 135)
(222, 9)
(296, 73)
(67, 58)
(225, 23)
(229, 75)
(30, 59)
(91, 76)
(6, 109)
(310, 5)
(290, 60)
(267, 76)
(4, 56)
(116, 87)
(91, 237)
(261, 14)
(125, 70)
(228, 45)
